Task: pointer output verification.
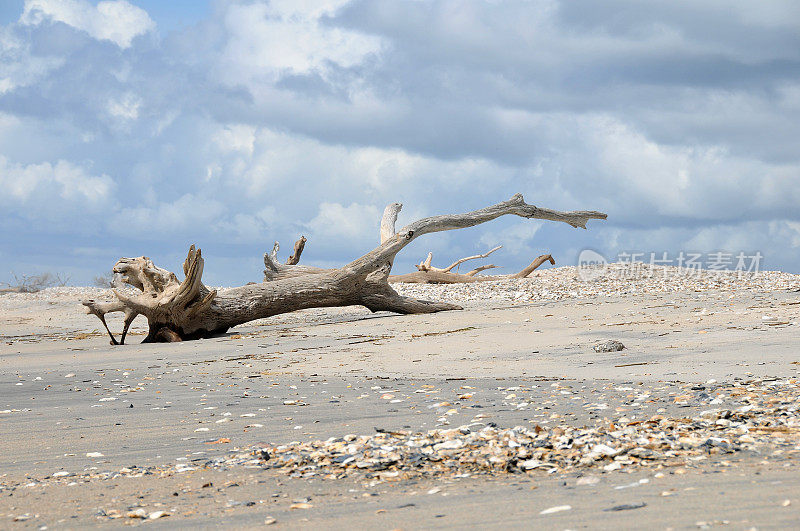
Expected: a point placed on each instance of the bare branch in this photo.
(462, 260)
(535, 264)
(389, 219)
(298, 250)
(425, 265)
(479, 269)
(514, 206)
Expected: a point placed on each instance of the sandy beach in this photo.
(400, 264)
(499, 415)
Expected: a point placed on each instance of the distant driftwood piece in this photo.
(426, 264)
(187, 309)
(479, 269)
(442, 277)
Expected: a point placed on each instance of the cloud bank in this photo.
(273, 119)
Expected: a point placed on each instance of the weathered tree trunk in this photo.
(189, 310)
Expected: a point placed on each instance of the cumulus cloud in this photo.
(354, 221)
(111, 20)
(18, 66)
(126, 107)
(43, 193)
(515, 239)
(169, 218)
(268, 40)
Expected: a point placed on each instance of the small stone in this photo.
(604, 449)
(610, 345)
(137, 513)
(626, 507)
(155, 515)
(269, 520)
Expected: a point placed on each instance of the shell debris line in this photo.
(757, 417)
(619, 279)
(766, 422)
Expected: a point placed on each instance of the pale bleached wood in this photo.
(188, 309)
(284, 272)
(299, 245)
(101, 308)
(426, 265)
(534, 265)
(442, 277)
(479, 269)
(436, 277)
(389, 220)
(474, 257)
(274, 270)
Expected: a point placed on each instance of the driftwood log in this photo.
(180, 310)
(435, 276)
(425, 265)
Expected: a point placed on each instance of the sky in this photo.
(136, 127)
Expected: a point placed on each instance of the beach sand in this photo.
(94, 434)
